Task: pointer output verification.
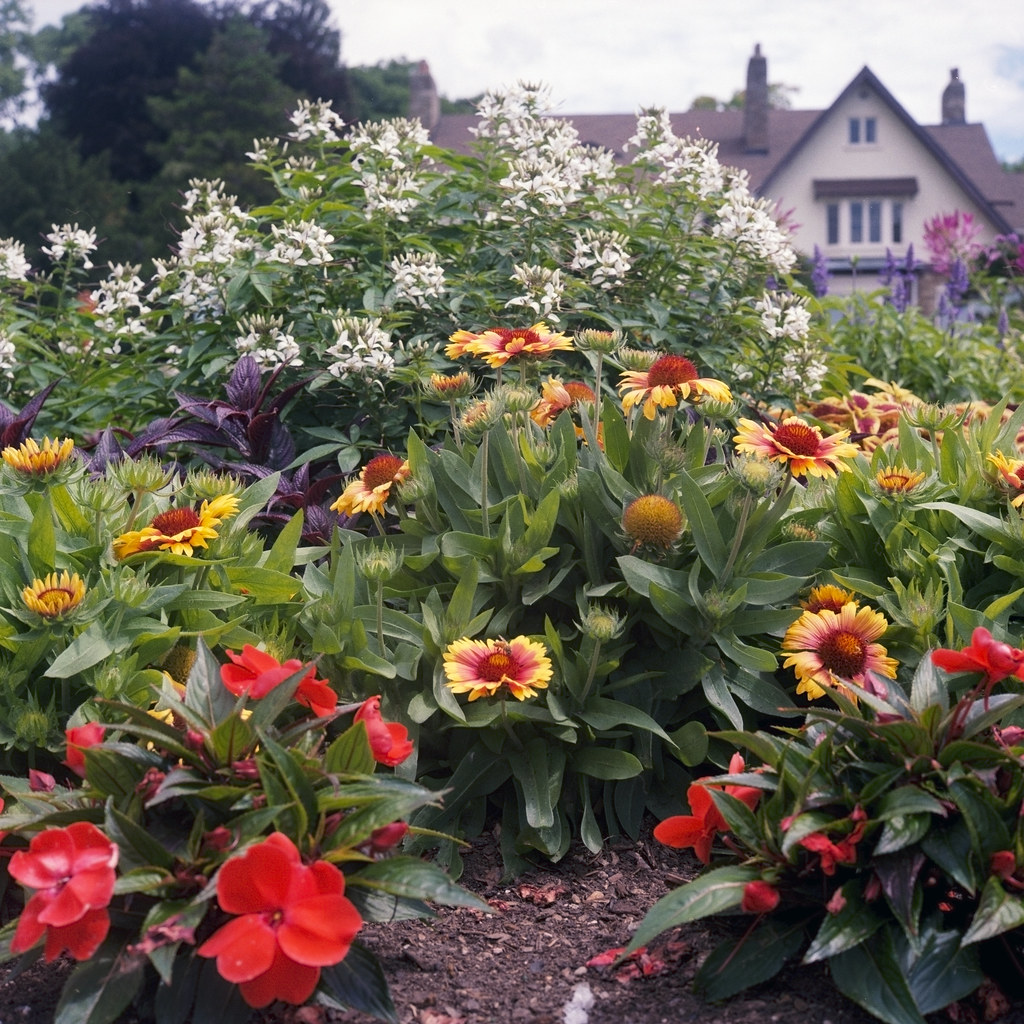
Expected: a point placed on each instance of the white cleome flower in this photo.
(544, 288)
(417, 277)
(72, 241)
(362, 350)
(13, 265)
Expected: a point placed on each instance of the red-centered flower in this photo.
(827, 595)
(832, 648)
(698, 828)
(389, 741)
(985, 655)
(498, 345)
(179, 530)
(72, 871)
(664, 382)
(370, 491)
(482, 668)
(759, 897)
(557, 396)
(255, 673)
(798, 445)
(292, 919)
(79, 739)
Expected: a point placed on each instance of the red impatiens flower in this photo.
(79, 739)
(389, 741)
(759, 897)
(843, 852)
(985, 655)
(293, 919)
(698, 829)
(255, 673)
(72, 871)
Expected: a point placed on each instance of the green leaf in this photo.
(138, 847)
(291, 774)
(417, 879)
(87, 649)
(204, 692)
(870, 976)
(691, 743)
(856, 922)
(937, 969)
(901, 831)
(998, 912)
(100, 988)
(707, 537)
(42, 540)
(606, 763)
(715, 891)
(350, 752)
(357, 983)
(757, 659)
(603, 713)
(739, 963)
(537, 770)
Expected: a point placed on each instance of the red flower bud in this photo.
(759, 897)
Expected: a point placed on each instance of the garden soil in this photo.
(527, 961)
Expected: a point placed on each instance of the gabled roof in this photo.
(929, 139)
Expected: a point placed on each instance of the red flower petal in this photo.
(285, 980)
(245, 947)
(319, 931)
(259, 879)
(80, 939)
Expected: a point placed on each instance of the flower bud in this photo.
(377, 564)
(601, 623)
(592, 340)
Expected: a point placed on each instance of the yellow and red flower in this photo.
(482, 668)
(54, 596)
(498, 345)
(179, 530)
(897, 481)
(31, 460)
(827, 595)
(1011, 476)
(255, 673)
(72, 871)
(798, 445)
(370, 491)
(556, 396)
(833, 648)
(666, 381)
(389, 741)
(292, 919)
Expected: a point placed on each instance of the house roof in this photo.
(963, 150)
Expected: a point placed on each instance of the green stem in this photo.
(380, 617)
(737, 540)
(507, 725)
(456, 432)
(591, 671)
(485, 509)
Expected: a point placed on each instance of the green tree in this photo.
(209, 122)
(15, 47)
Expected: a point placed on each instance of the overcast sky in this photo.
(614, 56)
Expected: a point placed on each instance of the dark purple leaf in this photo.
(243, 387)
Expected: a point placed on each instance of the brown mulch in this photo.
(526, 962)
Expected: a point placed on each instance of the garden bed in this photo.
(525, 963)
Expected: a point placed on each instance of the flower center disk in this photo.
(176, 520)
(798, 438)
(844, 655)
(671, 371)
(381, 470)
(498, 666)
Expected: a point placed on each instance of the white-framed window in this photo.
(864, 221)
(862, 130)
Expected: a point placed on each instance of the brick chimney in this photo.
(954, 104)
(424, 102)
(755, 105)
